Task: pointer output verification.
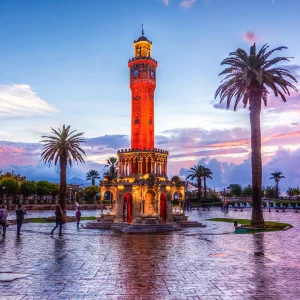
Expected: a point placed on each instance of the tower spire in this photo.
(142, 29)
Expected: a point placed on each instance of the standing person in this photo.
(58, 219)
(20, 212)
(78, 215)
(3, 217)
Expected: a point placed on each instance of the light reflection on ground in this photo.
(209, 263)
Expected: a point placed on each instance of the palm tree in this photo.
(250, 78)
(63, 147)
(290, 191)
(277, 176)
(92, 175)
(112, 172)
(197, 172)
(207, 174)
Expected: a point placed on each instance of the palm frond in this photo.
(254, 72)
(63, 143)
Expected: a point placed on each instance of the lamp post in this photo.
(70, 194)
(224, 200)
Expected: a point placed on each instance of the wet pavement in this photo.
(197, 263)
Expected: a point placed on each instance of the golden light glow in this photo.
(142, 48)
(130, 179)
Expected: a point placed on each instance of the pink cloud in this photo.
(225, 150)
(250, 36)
(12, 155)
(165, 2)
(187, 3)
(285, 160)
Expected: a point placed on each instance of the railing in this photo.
(143, 150)
(142, 57)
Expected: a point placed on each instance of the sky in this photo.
(65, 62)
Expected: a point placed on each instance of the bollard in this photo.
(235, 222)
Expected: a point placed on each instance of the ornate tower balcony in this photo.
(137, 164)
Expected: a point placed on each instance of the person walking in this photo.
(78, 216)
(20, 212)
(3, 217)
(58, 219)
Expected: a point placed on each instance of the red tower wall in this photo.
(142, 85)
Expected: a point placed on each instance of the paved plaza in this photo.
(200, 263)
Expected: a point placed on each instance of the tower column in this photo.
(122, 168)
(130, 166)
(142, 206)
(142, 84)
(140, 166)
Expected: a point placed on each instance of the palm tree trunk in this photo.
(257, 219)
(199, 189)
(63, 183)
(204, 183)
(93, 181)
(277, 192)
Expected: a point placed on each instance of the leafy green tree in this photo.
(176, 180)
(277, 176)
(92, 175)
(197, 172)
(12, 174)
(250, 78)
(54, 189)
(206, 174)
(10, 186)
(63, 147)
(28, 188)
(296, 191)
(293, 191)
(271, 192)
(43, 188)
(235, 189)
(112, 173)
(91, 192)
(247, 190)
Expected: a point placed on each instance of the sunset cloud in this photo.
(226, 151)
(187, 3)
(212, 152)
(224, 173)
(18, 100)
(165, 2)
(250, 37)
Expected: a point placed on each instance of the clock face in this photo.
(135, 73)
(152, 74)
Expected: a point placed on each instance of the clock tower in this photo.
(142, 84)
(142, 191)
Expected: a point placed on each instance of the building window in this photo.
(136, 121)
(150, 121)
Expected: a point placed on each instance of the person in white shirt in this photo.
(3, 217)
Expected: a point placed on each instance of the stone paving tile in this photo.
(97, 265)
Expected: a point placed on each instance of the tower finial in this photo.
(142, 29)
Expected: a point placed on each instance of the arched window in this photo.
(176, 196)
(150, 121)
(136, 121)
